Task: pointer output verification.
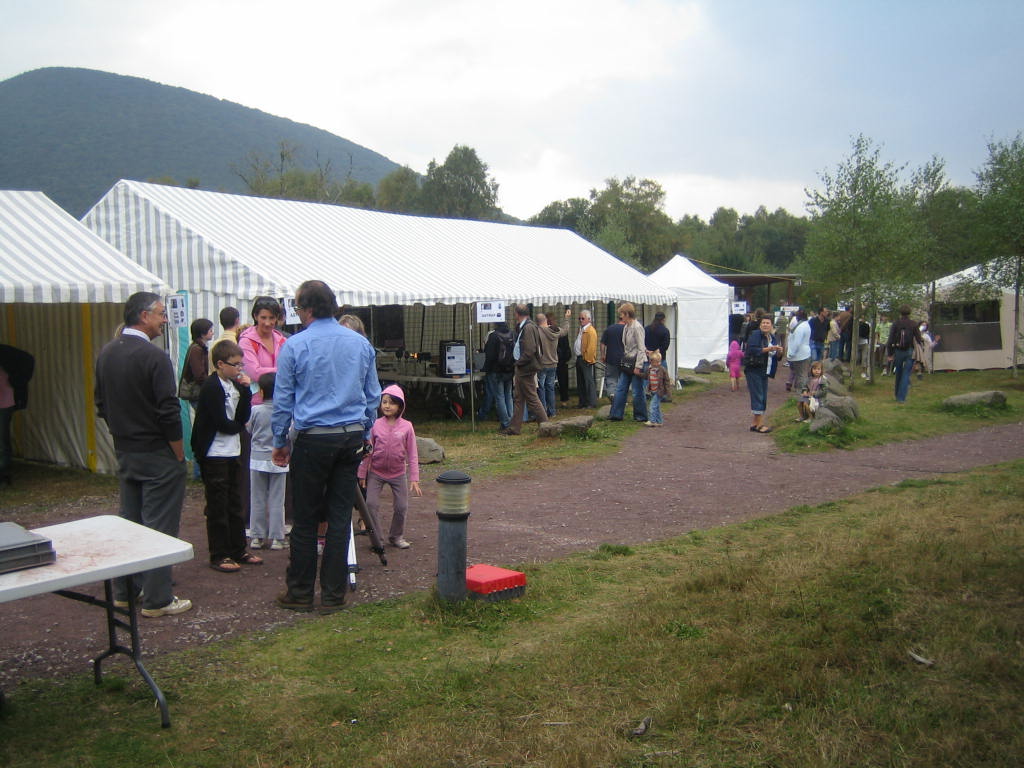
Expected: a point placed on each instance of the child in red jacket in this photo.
(393, 461)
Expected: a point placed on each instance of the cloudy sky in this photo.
(724, 102)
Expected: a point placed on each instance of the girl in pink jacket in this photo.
(393, 461)
(734, 361)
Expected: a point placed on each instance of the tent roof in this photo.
(685, 277)
(240, 245)
(47, 257)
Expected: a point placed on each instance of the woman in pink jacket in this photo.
(261, 342)
(393, 461)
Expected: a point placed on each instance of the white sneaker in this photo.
(400, 543)
(174, 607)
(255, 543)
(278, 544)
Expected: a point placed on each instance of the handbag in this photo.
(188, 390)
(627, 364)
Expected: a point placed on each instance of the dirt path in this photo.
(703, 469)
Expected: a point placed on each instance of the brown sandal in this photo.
(248, 558)
(227, 565)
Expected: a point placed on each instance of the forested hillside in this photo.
(73, 132)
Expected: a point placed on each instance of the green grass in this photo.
(883, 421)
(785, 641)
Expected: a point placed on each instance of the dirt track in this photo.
(703, 469)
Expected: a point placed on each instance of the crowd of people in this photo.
(524, 365)
(306, 412)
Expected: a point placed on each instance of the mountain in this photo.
(72, 133)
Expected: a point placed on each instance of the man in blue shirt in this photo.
(327, 385)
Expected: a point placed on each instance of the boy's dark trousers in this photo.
(225, 520)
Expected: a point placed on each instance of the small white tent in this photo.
(702, 303)
(975, 322)
(62, 294)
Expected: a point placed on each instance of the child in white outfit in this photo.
(266, 479)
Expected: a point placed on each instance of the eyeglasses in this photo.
(233, 365)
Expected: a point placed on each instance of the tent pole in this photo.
(88, 374)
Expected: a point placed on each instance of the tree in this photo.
(1001, 189)
(628, 220)
(949, 214)
(573, 214)
(399, 191)
(280, 176)
(460, 188)
(865, 238)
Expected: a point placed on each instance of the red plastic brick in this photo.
(485, 579)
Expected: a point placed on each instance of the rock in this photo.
(992, 399)
(703, 366)
(718, 366)
(837, 388)
(576, 425)
(689, 378)
(550, 428)
(824, 419)
(845, 408)
(603, 411)
(429, 450)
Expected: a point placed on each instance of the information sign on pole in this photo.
(740, 308)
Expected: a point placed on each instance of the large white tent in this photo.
(62, 294)
(701, 329)
(224, 250)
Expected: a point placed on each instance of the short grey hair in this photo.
(586, 313)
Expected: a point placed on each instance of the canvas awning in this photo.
(47, 257)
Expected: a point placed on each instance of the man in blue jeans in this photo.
(327, 383)
(900, 349)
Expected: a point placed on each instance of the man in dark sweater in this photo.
(658, 337)
(900, 351)
(136, 396)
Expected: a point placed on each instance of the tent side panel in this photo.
(53, 427)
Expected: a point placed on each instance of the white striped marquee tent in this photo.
(240, 246)
(224, 250)
(62, 294)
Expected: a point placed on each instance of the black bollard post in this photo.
(452, 516)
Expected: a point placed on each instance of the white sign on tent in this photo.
(490, 311)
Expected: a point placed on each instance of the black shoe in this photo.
(292, 603)
(330, 606)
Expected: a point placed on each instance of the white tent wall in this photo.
(700, 329)
(59, 426)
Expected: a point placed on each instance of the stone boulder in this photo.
(845, 408)
(703, 366)
(836, 387)
(824, 419)
(429, 450)
(718, 366)
(577, 425)
(991, 399)
(603, 411)
(689, 378)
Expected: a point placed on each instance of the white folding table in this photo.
(101, 549)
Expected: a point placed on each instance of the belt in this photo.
(333, 430)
